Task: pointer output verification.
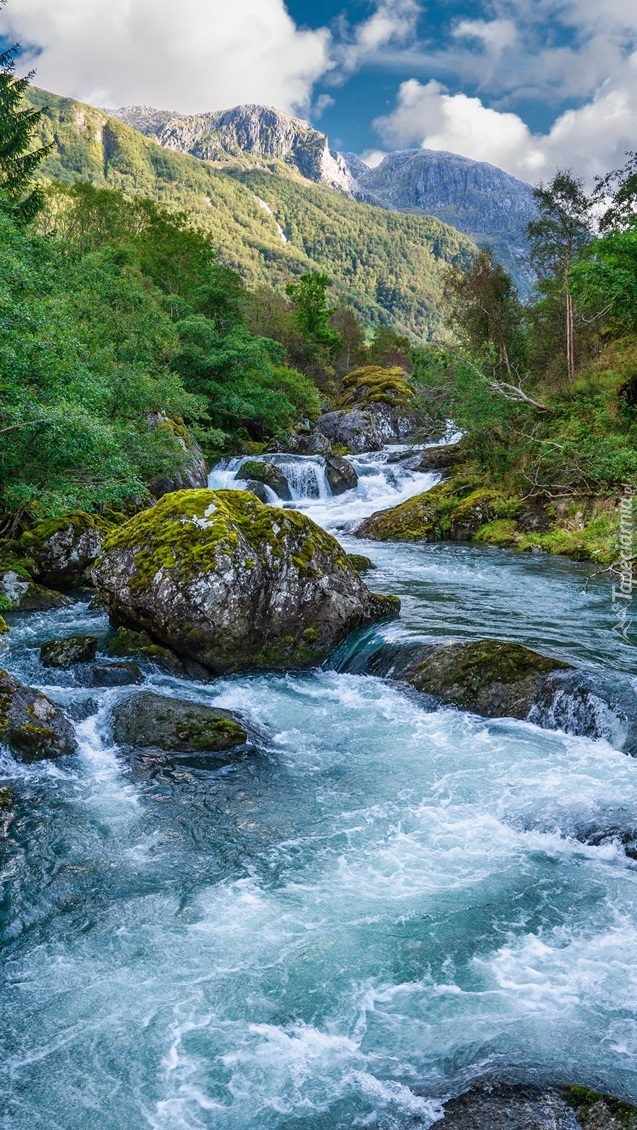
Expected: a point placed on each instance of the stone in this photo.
(113, 675)
(68, 652)
(259, 490)
(32, 727)
(193, 471)
(490, 677)
(139, 645)
(340, 474)
(21, 594)
(454, 510)
(234, 585)
(500, 1105)
(360, 563)
(64, 550)
(314, 443)
(442, 458)
(4, 627)
(268, 474)
(355, 430)
(153, 721)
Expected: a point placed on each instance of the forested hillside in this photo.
(389, 267)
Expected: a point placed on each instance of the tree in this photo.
(617, 194)
(18, 127)
(487, 313)
(561, 231)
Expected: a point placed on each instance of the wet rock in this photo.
(268, 474)
(139, 645)
(30, 724)
(508, 1106)
(234, 585)
(340, 474)
(595, 1111)
(66, 653)
(64, 550)
(442, 458)
(360, 563)
(492, 678)
(22, 594)
(454, 510)
(355, 430)
(113, 675)
(7, 804)
(193, 472)
(152, 721)
(259, 490)
(312, 443)
(4, 627)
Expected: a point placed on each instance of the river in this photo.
(378, 905)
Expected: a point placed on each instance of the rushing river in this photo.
(378, 905)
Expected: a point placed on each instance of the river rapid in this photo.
(378, 905)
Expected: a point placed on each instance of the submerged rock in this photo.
(268, 474)
(153, 721)
(496, 679)
(64, 550)
(233, 584)
(113, 675)
(30, 724)
(340, 474)
(526, 1106)
(21, 594)
(68, 652)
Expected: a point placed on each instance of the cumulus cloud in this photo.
(392, 23)
(590, 139)
(191, 56)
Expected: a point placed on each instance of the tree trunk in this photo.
(570, 336)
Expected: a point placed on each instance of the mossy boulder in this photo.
(67, 653)
(191, 472)
(493, 678)
(19, 593)
(30, 724)
(444, 457)
(375, 384)
(268, 474)
(360, 563)
(234, 585)
(64, 550)
(112, 675)
(340, 474)
(596, 1111)
(139, 645)
(153, 721)
(4, 627)
(454, 510)
(500, 1105)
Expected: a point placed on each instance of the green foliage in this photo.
(19, 158)
(604, 281)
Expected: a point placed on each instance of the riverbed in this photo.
(377, 905)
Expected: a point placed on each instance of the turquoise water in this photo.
(376, 905)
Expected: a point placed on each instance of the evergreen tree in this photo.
(18, 127)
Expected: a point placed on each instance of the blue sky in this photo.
(527, 84)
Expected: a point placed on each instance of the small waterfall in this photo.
(305, 475)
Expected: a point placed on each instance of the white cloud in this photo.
(590, 139)
(393, 23)
(192, 56)
(496, 35)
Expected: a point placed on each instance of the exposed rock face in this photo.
(261, 131)
(21, 594)
(193, 473)
(233, 584)
(492, 678)
(484, 202)
(64, 550)
(309, 443)
(267, 473)
(340, 474)
(30, 724)
(153, 721)
(66, 653)
(259, 490)
(357, 431)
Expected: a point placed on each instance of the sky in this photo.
(529, 85)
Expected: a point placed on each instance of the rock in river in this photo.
(68, 652)
(30, 724)
(153, 721)
(340, 474)
(523, 1106)
(233, 584)
(64, 550)
(255, 470)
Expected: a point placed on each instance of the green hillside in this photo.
(389, 266)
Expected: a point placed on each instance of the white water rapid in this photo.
(378, 905)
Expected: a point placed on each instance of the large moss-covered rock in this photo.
(19, 593)
(67, 653)
(455, 510)
(494, 678)
(233, 584)
(30, 724)
(268, 474)
(64, 550)
(153, 721)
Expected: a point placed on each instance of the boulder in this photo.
(4, 627)
(30, 724)
(360, 563)
(312, 443)
(442, 458)
(259, 490)
(355, 430)
(493, 678)
(234, 585)
(267, 473)
(192, 473)
(525, 1106)
(66, 653)
(153, 721)
(113, 675)
(64, 550)
(340, 474)
(454, 510)
(126, 643)
(21, 594)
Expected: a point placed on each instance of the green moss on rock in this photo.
(596, 1111)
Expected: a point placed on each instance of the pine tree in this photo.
(18, 157)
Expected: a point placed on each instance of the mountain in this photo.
(257, 131)
(270, 222)
(487, 204)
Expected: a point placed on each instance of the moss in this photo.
(126, 643)
(425, 517)
(372, 384)
(5, 606)
(595, 539)
(501, 532)
(360, 563)
(584, 1101)
(35, 538)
